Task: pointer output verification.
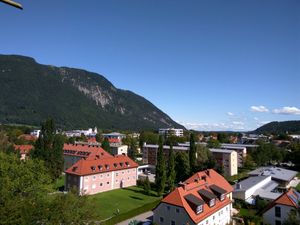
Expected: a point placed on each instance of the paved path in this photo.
(147, 216)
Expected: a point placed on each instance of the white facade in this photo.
(270, 217)
(119, 149)
(173, 215)
(171, 131)
(228, 159)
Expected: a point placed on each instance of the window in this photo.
(107, 182)
(277, 222)
(117, 181)
(161, 219)
(117, 174)
(108, 174)
(222, 197)
(199, 209)
(101, 184)
(277, 211)
(94, 177)
(173, 222)
(177, 210)
(168, 207)
(212, 202)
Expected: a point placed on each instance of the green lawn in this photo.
(126, 200)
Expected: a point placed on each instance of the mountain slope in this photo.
(292, 126)
(31, 92)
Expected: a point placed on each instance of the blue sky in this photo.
(210, 65)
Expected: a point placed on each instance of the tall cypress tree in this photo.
(49, 148)
(160, 174)
(171, 169)
(192, 154)
(105, 145)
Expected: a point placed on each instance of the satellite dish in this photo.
(12, 3)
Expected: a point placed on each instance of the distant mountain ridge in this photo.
(31, 92)
(275, 127)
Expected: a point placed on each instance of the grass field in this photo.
(125, 201)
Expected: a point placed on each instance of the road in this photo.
(147, 216)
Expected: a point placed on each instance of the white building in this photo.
(241, 153)
(35, 133)
(118, 149)
(203, 199)
(278, 210)
(171, 131)
(77, 133)
(227, 159)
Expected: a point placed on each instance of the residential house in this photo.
(23, 150)
(114, 137)
(279, 209)
(203, 199)
(94, 174)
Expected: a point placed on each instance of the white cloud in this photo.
(238, 123)
(230, 114)
(287, 110)
(260, 108)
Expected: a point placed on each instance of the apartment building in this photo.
(227, 159)
(94, 175)
(171, 132)
(241, 152)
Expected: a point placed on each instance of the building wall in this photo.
(169, 213)
(233, 168)
(270, 218)
(101, 182)
(119, 150)
(227, 161)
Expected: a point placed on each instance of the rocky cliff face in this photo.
(31, 92)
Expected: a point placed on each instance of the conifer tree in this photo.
(171, 169)
(49, 148)
(147, 186)
(192, 154)
(160, 175)
(105, 145)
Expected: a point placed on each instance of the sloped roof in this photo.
(200, 181)
(290, 198)
(101, 165)
(24, 149)
(85, 151)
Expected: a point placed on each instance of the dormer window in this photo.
(115, 165)
(93, 168)
(222, 197)
(127, 164)
(212, 202)
(100, 167)
(199, 209)
(107, 167)
(121, 164)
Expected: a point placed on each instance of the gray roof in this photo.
(182, 148)
(240, 145)
(274, 172)
(249, 182)
(267, 192)
(219, 150)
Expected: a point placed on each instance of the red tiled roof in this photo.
(199, 181)
(28, 137)
(92, 140)
(284, 199)
(102, 165)
(114, 140)
(24, 149)
(85, 151)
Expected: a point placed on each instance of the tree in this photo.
(171, 169)
(99, 137)
(49, 148)
(160, 173)
(293, 218)
(192, 154)
(182, 166)
(212, 143)
(105, 145)
(147, 186)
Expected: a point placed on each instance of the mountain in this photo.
(291, 127)
(74, 98)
